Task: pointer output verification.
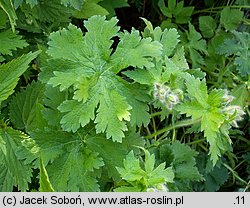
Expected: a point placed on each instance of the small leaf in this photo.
(207, 26)
(231, 18)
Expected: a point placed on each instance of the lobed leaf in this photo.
(91, 69)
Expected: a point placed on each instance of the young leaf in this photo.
(10, 72)
(169, 38)
(206, 107)
(74, 170)
(132, 170)
(145, 177)
(177, 10)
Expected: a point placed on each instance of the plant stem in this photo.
(177, 125)
(234, 173)
(156, 114)
(196, 141)
(222, 7)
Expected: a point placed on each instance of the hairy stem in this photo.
(175, 126)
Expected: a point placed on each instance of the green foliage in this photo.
(145, 177)
(9, 42)
(195, 45)
(8, 8)
(182, 159)
(14, 172)
(26, 106)
(214, 177)
(230, 18)
(207, 26)
(45, 185)
(101, 108)
(93, 75)
(10, 73)
(239, 46)
(207, 108)
(176, 12)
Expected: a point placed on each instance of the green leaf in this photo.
(3, 19)
(17, 3)
(132, 170)
(231, 18)
(70, 166)
(10, 72)
(105, 148)
(90, 8)
(26, 106)
(184, 163)
(238, 46)
(182, 159)
(91, 69)
(74, 170)
(77, 4)
(197, 90)
(214, 177)
(181, 14)
(112, 106)
(45, 185)
(111, 5)
(8, 7)
(77, 114)
(169, 38)
(6, 179)
(10, 41)
(53, 98)
(184, 15)
(241, 95)
(148, 176)
(207, 26)
(134, 51)
(195, 46)
(206, 107)
(14, 172)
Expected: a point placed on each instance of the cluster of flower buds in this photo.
(166, 96)
(233, 113)
(158, 188)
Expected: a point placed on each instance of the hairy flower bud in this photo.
(234, 113)
(166, 96)
(227, 99)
